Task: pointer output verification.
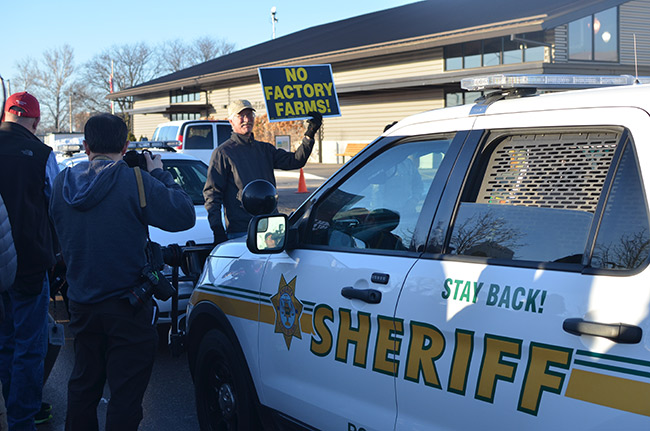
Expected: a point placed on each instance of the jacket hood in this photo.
(87, 183)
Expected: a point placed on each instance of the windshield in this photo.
(190, 175)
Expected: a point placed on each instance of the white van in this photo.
(195, 137)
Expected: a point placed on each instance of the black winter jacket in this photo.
(233, 165)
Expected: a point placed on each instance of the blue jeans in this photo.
(23, 343)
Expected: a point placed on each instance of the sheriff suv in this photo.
(475, 267)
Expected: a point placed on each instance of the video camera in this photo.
(134, 158)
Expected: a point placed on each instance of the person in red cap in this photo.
(27, 171)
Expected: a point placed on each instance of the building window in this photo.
(595, 37)
(179, 96)
(461, 97)
(494, 52)
(185, 116)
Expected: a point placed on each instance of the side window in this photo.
(199, 137)
(533, 197)
(378, 206)
(223, 133)
(623, 240)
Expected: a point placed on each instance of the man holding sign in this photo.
(242, 159)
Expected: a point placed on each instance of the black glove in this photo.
(314, 124)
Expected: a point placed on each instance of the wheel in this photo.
(223, 397)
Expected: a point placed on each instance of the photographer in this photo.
(102, 225)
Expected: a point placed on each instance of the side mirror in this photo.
(260, 197)
(267, 234)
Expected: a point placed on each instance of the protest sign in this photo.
(292, 92)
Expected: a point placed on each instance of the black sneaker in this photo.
(44, 415)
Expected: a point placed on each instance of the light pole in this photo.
(273, 19)
(70, 94)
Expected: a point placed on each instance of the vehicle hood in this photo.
(87, 183)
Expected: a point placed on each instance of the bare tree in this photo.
(55, 79)
(177, 55)
(174, 56)
(206, 48)
(485, 230)
(132, 65)
(629, 253)
(29, 76)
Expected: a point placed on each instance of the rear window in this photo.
(542, 196)
(166, 133)
(199, 137)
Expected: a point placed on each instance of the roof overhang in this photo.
(168, 109)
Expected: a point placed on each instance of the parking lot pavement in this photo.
(287, 183)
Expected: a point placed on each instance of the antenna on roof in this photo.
(636, 66)
(273, 19)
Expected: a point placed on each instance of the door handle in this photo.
(617, 332)
(371, 296)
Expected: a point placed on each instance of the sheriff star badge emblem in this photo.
(288, 310)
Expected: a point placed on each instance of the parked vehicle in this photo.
(476, 267)
(194, 137)
(65, 144)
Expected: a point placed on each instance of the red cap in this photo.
(25, 101)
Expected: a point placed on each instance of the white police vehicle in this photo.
(476, 267)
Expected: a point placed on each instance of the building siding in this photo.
(634, 17)
(403, 66)
(144, 125)
(363, 118)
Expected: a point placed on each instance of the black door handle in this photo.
(617, 332)
(371, 296)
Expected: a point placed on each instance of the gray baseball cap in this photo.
(236, 106)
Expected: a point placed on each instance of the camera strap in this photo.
(141, 195)
(143, 203)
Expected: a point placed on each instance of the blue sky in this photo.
(89, 26)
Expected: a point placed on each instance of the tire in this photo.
(224, 400)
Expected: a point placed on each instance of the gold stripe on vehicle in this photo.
(248, 310)
(609, 391)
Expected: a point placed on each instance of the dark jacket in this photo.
(23, 161)
(233, 165)
(103, 230)
(8, 259)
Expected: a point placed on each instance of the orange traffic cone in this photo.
(302, 185)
